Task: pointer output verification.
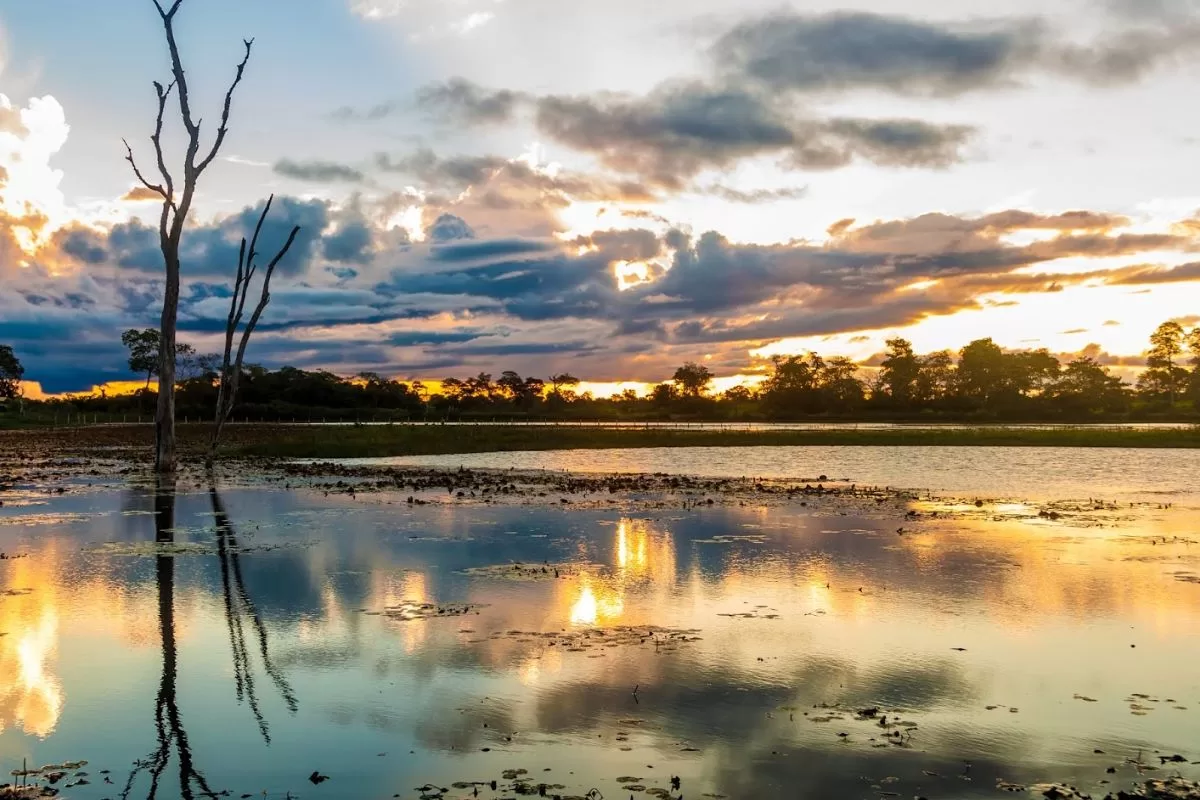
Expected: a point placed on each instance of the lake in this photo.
(242, 637)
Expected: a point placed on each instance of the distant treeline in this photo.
(981, 381)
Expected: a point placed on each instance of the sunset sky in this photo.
(610, 188)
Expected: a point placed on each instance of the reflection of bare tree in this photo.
(167, 720)
(238, 606)
(169, 727)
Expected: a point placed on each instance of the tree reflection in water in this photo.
(172, 736)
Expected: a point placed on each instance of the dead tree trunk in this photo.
(175, 209)
(231, 367)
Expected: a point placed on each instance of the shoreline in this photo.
(284, 441)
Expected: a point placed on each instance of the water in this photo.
(257, 655)
(1128, 474)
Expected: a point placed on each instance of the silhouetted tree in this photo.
(1164, 378)
(898, 374)
(11, 373)
(693, 379)
(1086, 387)
(176, 209)
(144, 355)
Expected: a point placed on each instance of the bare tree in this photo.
(175, 208)
(232, 372)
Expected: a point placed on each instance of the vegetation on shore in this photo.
(377, 441)
(981, 384)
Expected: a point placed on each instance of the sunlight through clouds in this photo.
(29, 138)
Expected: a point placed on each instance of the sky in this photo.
(608, 188)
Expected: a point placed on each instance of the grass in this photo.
(347, 441)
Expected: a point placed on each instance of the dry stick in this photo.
(231, 372)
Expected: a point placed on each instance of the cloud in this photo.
(318, 171)
(845, 50)
(501, 183)
(370, 114)
(682, 129)
(140, 194)
(357, 288)
(461, 101)
(449, 228)
(754, 196)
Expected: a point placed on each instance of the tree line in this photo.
(982, 380)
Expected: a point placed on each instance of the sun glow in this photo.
(31, 194)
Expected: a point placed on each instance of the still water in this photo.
(1042, 473)
(256, 646)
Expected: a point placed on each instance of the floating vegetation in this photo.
(173, 549)
(531, 572)
(30, 520)
(663, 640)
(759, 612)
(410, 611)
(748, 538)
(15, 592)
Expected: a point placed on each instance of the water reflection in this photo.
(31, 697)
(239, 609)
(795, 608)
(239, 606)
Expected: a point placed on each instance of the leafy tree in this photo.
(1031, 372)
(511, 383)
(899, 374)
(1085, 387)
(738, 394)
(11, 373)
(792, 387)
(982, 375)
(842, 390)
(562, 381)
(935, 379)
(693, 379)
(664, 394)
(144, 356)
(1164, 378)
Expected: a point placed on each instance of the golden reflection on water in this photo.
(31, 695)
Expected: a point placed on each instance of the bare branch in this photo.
(254, 239)
(224, 127)
(168, 14)
(136, 171)
(265, 297)
(185, 108)
(163, 94)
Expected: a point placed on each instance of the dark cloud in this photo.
(466, 296)
(318, 171)
(459, 100)
(892, 142)
(789, 51)
(680, 130)
(501, 183)
(844, 50)
(448, 228)
(351, 242)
